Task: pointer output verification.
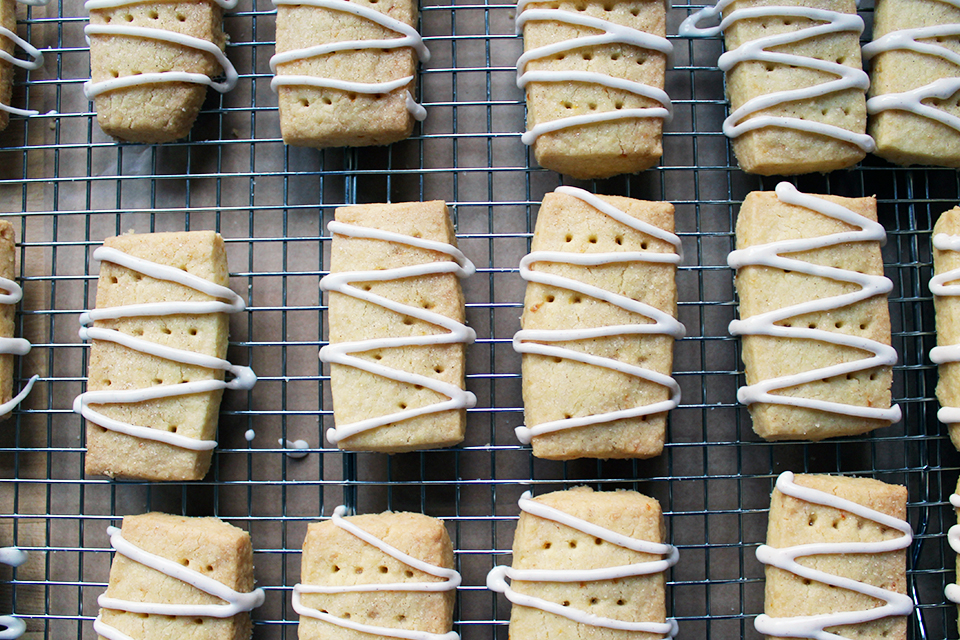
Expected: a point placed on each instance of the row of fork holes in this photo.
(607, 6)
(145, 616)
(572, 544)
(641, 60)
(153, 15)
(592, 239)
(371, 615)
(359, 570)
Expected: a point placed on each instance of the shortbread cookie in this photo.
(594, 78)
(836, 550)
(179, 577)
(599, 322)
(9, 40)
(795, 83)
(10, 295)
(346, 71)
(952, 591)
(151, 63)
(945, 287)
(588, 565)
(372, 574)
(914, 115)
(813, 315)
(397, 338)
(159, 338)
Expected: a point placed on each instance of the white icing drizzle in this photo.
(14, 627)
(943, 88)
(35, 62)
(532, 341)
(450, 581)
(249, 435)
(952, 591)
(740, 121)
(409, 37)
(456, 332)
(12, 293)
(497, 578)
(234, 601)
(939, 286)
(895, 604)
(766, 324)
(229, 302)
(612, 33)
(92, 89)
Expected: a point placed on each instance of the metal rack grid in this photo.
(66, 186)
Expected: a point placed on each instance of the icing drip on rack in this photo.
(940, 286)
(227, 302)
(409, 37)
(540, 342)
(952, 591)
(612, 33)
(450, 580)
(92, 89)
(497, 578)
(35, 62)
(895, 604)
(234, 602)
(13, 294)
(774, 255)
(743, 119)
(456, 332)
(923, 40)
(13, 626)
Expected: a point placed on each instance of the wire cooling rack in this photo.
(67, 186)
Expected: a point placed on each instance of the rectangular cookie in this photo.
(325, 116)
(219, 553)
(901, 124)
(805, 340)
(552, 544)
(776, 150)
(8, 20)
(155, 110)
(7, 311)
(334, 557)
(598, 149)
(798, 516)
(571, 406)
(384, 409)
(114, 366)
(946, 258)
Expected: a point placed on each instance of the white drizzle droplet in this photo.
(497, 578)
(295, 448)
(450, 581)
(249, 435)
(234, 601)
(613, 33)
(774, 255)
(742, 119)
(895, 604)
(539, 341)
(456, 332)
(92, 89)
(939, 286)
(409, 37)
(228, 302)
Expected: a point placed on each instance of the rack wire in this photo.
(67, 186)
